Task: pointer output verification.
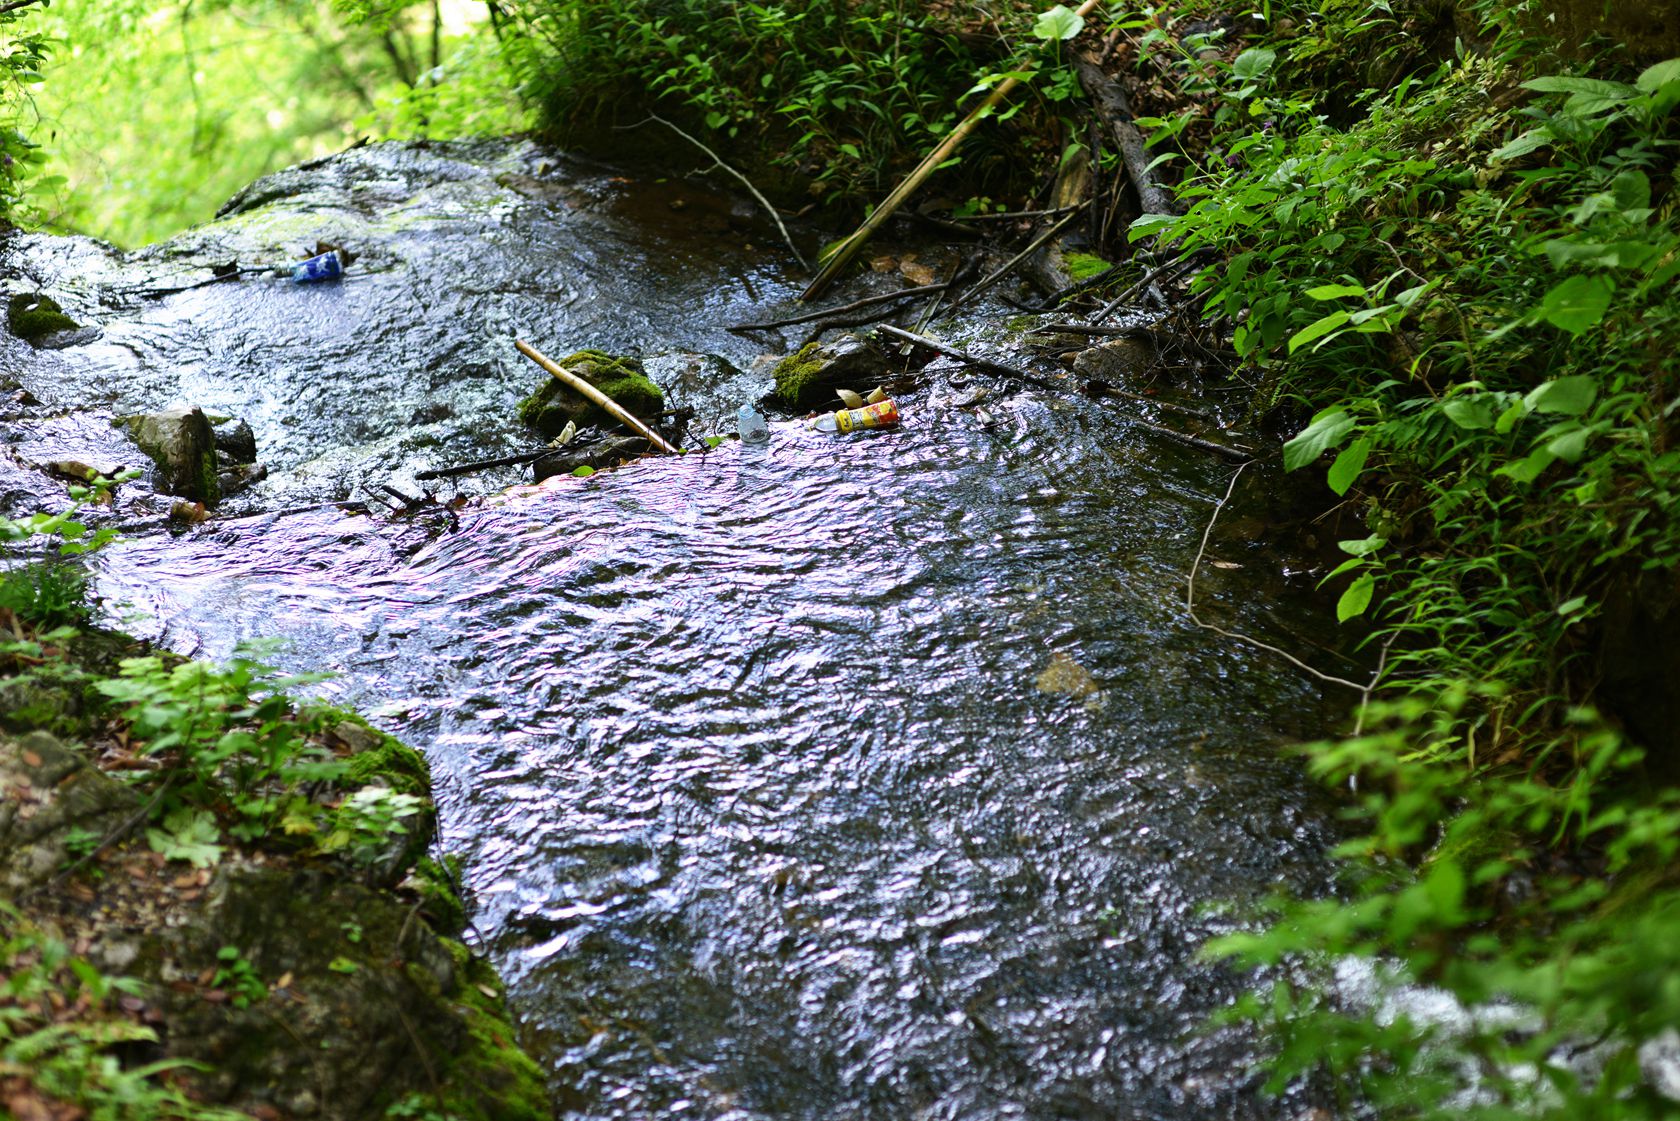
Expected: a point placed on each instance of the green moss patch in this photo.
(621, 378)
(33, 318)
(796, 375)
(1083, 266)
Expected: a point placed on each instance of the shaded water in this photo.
(868, 778)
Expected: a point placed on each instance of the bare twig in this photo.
(787, 238)
(1009, 266)
(1190, 609)
(481, 465)
(1051, 213)
(14, 5)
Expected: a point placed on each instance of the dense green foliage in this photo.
(1467, 277)
(23, 50)
(151, 115)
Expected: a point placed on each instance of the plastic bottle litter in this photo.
(752, 426)
(882, 414)
(325, 266)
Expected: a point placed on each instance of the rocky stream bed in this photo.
(867, 777)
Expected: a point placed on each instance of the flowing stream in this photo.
(879, 777)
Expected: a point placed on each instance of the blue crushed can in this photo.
(326, 266)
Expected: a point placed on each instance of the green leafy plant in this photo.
(239, 978)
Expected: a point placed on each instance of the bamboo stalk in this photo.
(574, 382)
(848, 249)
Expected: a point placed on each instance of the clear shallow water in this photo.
(841, 778)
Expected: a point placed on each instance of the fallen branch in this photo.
(1009, 266)
(745, 182)
(1115, 109)
(846, 250)
(480, 465)
(1222, 450)
(867, 301)
(579, 385)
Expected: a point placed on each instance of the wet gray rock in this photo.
(234, 439)
(182, 444)
(1120, 360)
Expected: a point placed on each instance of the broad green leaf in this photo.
(1327, 430)
(1522, 145)
(1060, 22)
(1469, 412)
(1569, 446)
(1316, 330)
(1593, 86)
(1356, 599)
(1147, 224)
(1510, 417)
(1349, 463)
(1653, 78)
(1253, 63)
(1569, 396)
(1570, 606)
(1632, 190)
(1529, 468)
(1578, 303)
(1336, 291)
(583, 471)
(1362, 548)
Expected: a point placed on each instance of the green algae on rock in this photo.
(33, 318)
(621, 378)
(810, 376)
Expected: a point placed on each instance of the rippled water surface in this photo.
(839, 778)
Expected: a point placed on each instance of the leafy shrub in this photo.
(844, 93)
(1464, 284)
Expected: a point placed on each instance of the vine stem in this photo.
(1190, 608)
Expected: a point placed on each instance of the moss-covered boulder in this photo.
(183, 445)
(810, 377)
(390, 1011)
(50, 797)
(33, 318)
(620, 378)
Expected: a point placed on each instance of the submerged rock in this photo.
(620, 378)
(1116, 361)
(182, 444)
(813, 374)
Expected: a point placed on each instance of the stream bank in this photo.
(273, 976)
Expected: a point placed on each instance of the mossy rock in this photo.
(620, 378)
(377, 1008)
(33, 318)
(183, 445)
(809, 377)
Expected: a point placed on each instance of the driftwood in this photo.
(1115, 109)
(998, 274)
(576, 383)
(1224, 451)
(848, 249)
